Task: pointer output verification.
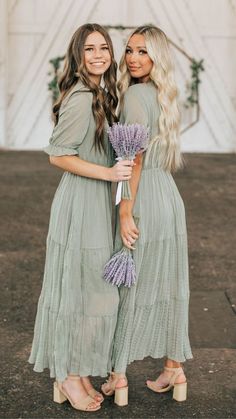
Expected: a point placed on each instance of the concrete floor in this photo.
(207, 185)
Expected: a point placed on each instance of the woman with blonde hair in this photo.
(153, 313)
(77, 310)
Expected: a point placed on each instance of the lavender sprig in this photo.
(120, 269)
(128, 140)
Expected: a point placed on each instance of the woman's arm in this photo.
(128, 230)
(134, 111)
(70, 133)
(74, 164)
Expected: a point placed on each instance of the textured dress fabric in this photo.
(77, 309)
(153, 313)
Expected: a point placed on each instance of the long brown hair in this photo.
(104, 100)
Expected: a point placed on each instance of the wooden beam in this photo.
(214, 100)
(32, 93)
(3, 71)
(27, 28)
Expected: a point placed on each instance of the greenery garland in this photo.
(193, 87)
(53, 84)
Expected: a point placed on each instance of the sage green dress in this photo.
(153, 313)
(77, 309)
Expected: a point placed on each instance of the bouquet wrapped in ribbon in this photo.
(127, 140)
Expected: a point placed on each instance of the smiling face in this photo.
(137, 59)
(97, 57)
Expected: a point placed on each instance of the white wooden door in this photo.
(34, 31)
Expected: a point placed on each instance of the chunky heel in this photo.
(117, 384)
(180, 392)
(58, 396)
(179, 389)
(86, 404)
(121, 396)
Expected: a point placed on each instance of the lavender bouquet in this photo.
(127, 141)
(120, 269)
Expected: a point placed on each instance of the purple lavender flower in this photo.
(127, 141)
(120, 269)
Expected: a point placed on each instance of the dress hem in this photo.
(61, 378)
(141, 358)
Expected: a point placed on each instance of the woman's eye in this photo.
(142, 51)
(89, 49)
(105, 48)
(128, 51)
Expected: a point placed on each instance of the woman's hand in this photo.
(128, 231)
(121, 171)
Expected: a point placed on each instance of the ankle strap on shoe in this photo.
(176, 372)
(118, 375)
(73, 377)
(173, 369)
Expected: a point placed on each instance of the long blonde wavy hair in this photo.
(162, 75)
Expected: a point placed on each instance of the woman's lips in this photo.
(133, 68)
(98, 64)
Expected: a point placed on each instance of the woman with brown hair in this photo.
(77, 309)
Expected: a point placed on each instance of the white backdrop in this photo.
(34, 31)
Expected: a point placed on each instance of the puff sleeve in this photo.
(72, 126)
(134, 109)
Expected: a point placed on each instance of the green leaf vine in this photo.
(193, 86)
(53, 84)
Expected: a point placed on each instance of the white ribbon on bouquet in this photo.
(119, 186)
(118, 192)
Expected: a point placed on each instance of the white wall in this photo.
(33, 31)
(3, 70)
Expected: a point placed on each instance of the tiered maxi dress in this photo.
(77, 309)
(153, 313)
